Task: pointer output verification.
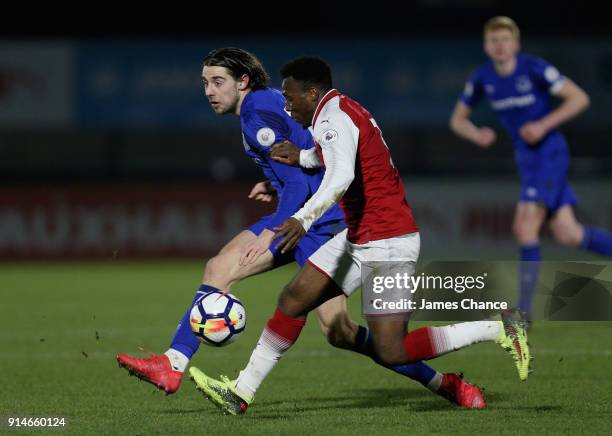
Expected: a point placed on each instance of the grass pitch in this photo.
(63, 323)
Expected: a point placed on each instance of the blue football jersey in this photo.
(264, 123)
(518, 98)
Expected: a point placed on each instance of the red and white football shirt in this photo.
(358, 171)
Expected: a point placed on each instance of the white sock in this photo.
(278, 336)
(178, 360)
(262, 361)
(456, 336)
(435, 382)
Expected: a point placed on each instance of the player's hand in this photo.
(486, 137)
(256, 247)
(532, 132)
(286, 152)
(263, 191)
(291, 231)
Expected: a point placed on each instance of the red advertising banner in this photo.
(123, 221)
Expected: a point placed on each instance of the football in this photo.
(218, 318)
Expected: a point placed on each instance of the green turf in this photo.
(62, 324)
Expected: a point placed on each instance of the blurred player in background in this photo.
(360, 174)
(235, 82)
(518, 87)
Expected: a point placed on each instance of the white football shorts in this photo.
(341, 260)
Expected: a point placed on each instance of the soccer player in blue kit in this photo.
(518, 87)
(235, 82)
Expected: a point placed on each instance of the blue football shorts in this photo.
(316, 236)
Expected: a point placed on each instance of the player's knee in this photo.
(390, 354)
(213, 267)
(567, 234)
(524, 231)
(217, 270)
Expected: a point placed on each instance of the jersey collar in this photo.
(327, 97)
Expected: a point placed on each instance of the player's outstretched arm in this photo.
(575, 101)
(461, 124)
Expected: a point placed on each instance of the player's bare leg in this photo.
(223, 270)
(568, 231)
(344, 333)
(565, 227)
(388, 335)
(309, 289)
(335, 322)
(165, 371)
(306, 291)
(528, 220)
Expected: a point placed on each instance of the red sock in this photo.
(419, 344)
(282, 331)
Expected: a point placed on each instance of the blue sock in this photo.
(184, 340)
(418, 371)
(528, 274)
(597, 240)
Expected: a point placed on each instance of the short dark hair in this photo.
(310, 70)
(239, 62)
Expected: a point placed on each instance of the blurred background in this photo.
(109, 149)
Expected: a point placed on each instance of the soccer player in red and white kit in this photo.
(360, 174)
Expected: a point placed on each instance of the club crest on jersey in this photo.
(531, 192)
(266, 136)
(489, 89)
(551, 74)
(523, 84)
(328, 137)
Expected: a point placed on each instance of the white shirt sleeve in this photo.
(309, 158)
(555, 88)
(338, 143)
